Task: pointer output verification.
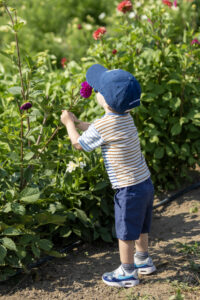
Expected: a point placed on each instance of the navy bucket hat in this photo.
(120, 88)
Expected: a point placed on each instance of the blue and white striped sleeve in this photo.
(90, 139)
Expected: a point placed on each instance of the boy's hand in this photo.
(66, 116)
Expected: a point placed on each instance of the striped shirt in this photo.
(118, 138)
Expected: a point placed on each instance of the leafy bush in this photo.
(48, 190)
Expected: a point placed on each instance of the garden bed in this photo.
(175, 230)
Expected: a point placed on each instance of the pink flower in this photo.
(167, 2)
(86, 90)
(125, 6)
(63, 61)
(99, 32)
(114, 51)
(195, 41)
(175, 3)
(26, 106)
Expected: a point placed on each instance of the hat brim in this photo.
(93, 76)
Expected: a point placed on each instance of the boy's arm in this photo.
(82, 125)
(68, 121)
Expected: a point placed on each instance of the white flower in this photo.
(144, 17)
(132, 15)
(71, 167)
(82, 165)
(138, 4)
(4, 28)
(57, 39)
(102, 16)
(88, 26)
(175, 7)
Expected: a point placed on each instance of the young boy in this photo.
(118, 92)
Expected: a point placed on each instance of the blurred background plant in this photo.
(64, 28)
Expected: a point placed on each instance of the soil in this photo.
(78, 275)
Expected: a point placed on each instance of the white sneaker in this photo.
(120, 278)
(144, 267)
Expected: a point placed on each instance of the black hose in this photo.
(178, 194)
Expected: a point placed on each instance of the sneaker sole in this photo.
(146, 271)
(122, 283)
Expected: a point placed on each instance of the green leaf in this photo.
(65, 232)
(8, 243)
(30, 195)
(174, 81)
(3, 252)
(11, 231)
(18, 209)
(29, 155)
(169, 151)
(100, 185)
(7, 208)
(15, 90)
(96, 235)
(185, 150)
(176, 129)
(154, 139)
(18, 26)
(77, 231)
(81, 215)
(104, 206)
(35, 250)
(6, 54)
(105, 235)
(44, 244)
(159, 152)
(47, 218)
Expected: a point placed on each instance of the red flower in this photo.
(79, 26)
(167, 2)
(125, 6)
(99, 32)
(63, 61)
(114, 51)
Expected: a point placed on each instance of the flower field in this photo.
(49, 192)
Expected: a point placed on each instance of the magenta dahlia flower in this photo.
(26, 106)
(86, 90)
(195, 41)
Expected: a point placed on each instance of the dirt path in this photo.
(78, 276)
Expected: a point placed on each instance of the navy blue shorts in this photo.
(133, 210)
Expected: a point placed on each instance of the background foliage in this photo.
(54, 192)
(54, 26)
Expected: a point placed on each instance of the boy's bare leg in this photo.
(126, 249)
(142, 243)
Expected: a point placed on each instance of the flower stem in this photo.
(18, 52)
(29, 128)
(105, 54)
(22, 157)
(51, 138)
(41, 130)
